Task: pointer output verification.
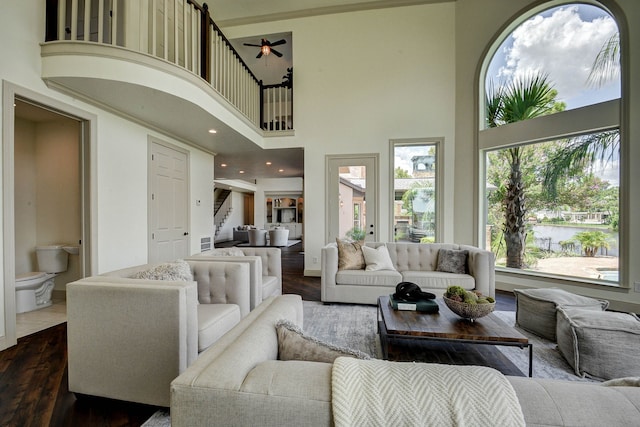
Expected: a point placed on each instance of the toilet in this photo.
(34, 289)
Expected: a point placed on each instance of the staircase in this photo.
(221, 210)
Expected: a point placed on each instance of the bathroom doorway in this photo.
(46, 163)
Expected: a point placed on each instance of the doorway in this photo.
(352, 194)
(46, 197)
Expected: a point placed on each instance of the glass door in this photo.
(352, 197)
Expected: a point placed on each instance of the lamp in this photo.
(265, 49)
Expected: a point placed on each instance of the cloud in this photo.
(561, 44)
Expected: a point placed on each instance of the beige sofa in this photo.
(239, 382)
(265, 269)
(413, 262)
(128, 338)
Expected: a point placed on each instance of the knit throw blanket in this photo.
(383, 393)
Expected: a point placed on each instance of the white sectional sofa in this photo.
(413, 262)
(239, 381)
(128, 338)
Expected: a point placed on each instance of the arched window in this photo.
(550, 144)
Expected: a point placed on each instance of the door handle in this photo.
(186, 233)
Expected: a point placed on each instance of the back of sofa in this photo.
(416, 257)
(239, 381)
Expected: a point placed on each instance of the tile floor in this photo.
(37, 320)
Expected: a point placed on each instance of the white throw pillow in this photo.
(377, 258)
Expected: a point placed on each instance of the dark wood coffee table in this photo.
(445, 326)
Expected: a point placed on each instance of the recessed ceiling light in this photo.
(269, 163)
(212, 131)
(280, 170)
(240, 171)
(223, 165)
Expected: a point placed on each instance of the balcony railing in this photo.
(181, 32)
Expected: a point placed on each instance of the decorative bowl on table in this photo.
(469, 311)
(468, 304)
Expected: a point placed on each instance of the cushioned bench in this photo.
(599, 344)
(536, 308)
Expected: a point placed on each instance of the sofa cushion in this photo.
(215, 320)
(536, 308)
(294, 344)
(350, 255)
(439, 280)
(377, 258)
(599, 344)
(387, 278)
(176, 270)
(452, 261)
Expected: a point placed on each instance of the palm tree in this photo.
(521, 99)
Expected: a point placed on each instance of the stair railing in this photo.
(178, 31)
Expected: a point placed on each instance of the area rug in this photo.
(354, 326)
(289, 243)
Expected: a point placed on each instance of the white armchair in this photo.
(257, 237)
(129, 338)
(278, 237)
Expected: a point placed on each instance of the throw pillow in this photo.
(178, 270)
(233, 251)
(293, 344)
(350, 255)
(377, 258)
(452, 261)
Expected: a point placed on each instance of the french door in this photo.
(352, 194)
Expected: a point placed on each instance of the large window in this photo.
(415, 190)
(550, 145)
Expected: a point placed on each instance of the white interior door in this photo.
(352, 194)
(168, 204)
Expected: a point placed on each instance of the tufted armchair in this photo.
(129, 338)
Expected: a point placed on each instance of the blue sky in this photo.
(562, 42)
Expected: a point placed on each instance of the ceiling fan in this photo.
(267, 47)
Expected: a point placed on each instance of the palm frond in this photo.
(606, 66)
(578, 153)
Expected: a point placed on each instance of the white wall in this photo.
(362, 79)
(25, 196)
(120, 180)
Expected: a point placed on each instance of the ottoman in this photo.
(536, 308)
(599, 344)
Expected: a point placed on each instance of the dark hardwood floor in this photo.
(33, 374)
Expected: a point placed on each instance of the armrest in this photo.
(482, 268)
(114, 324)
(328, 267)
(223, 283)
(255, 273)
(271, 261)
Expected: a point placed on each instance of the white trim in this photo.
(579, 121)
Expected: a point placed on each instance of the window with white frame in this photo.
(550, 145)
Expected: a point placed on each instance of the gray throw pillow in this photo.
(178, 270)
(452, 261)
(293, 344)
